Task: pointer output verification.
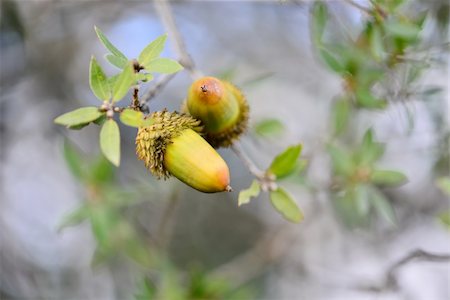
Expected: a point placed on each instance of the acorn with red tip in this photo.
(221, 107)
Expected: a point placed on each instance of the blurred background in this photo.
(74, 227)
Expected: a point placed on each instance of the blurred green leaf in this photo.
(370, 151)
(389, 178)
(134, 118)
(74, 218)
(246, 195)
(376, 43)
(444, 184)
(101, 171)
(366, 99)
(152, 50)
(79, 116)
(382, 206)
(444, 218)
(284, 204)
(144, 77)
(110, 141)
(73, 160)
(108, 44)
(331, 61)
(116, 61)
(342, 161)
(285, 163)
(163, 65)
(146, 291)
(98, 81)
(320, 16)
(406, 31)
(123, 83)
(269, 127)
(103, 222)
(341, 114)
(362, 199)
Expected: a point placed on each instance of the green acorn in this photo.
(221, 107)
(172, 146)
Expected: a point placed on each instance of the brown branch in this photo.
(390, 281)
(163, 80)
(268, 250)
(359, 6)
(165, 13)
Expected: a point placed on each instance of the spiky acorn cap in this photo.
(172, 146)
(152, 141)
(221, 107)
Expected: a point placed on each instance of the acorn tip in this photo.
(228, 188)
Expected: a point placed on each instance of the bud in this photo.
(172, 146)
(221, 107)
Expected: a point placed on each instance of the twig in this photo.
(258, 173)
(163, 231)
(163, 80)
(359, 6)
(165, 13)
(268, 250)
(390, 281)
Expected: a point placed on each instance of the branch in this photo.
(390, 281)
(163, 80)
(165, 13)
(257, 172)
(359, 6)
(268, 250)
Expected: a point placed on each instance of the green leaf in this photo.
(320, 16)
(123, 83)
(110, 141)
(79, 116)
(341, 114)
(366, 99)
(269, 127)
(152, 50)
(108, 44)
(370, 151)
(98, 81)
(74, 218)
(331, 61)
(246, 195)
(116, 61)
(389, 178)
(146, 291)
(376, 43)
(163, 65)
(444, 184)
(362, 199)
(444, 218)
(382, 205)
(73, 160)
(342, 161)
(101, 172)
(406, 31)
(284, 204)
(144, 77)
(286, 162)
(134, 118)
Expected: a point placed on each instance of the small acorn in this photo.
(172, 146)
(221, 107)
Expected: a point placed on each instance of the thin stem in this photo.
(391, 279)
(258, 173)
(165, 13)
(164, 231)
(359, 6)
(163, 80)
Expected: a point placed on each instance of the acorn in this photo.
(172, 145)
(221, 107)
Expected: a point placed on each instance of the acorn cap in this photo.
(221, 107)
(172, 146)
